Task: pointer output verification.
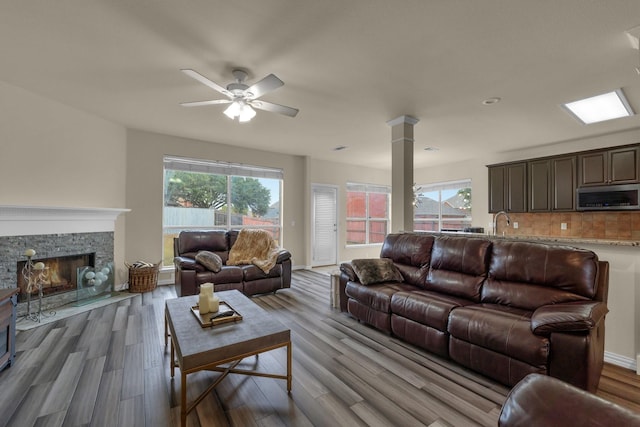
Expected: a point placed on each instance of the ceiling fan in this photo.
(242, 97)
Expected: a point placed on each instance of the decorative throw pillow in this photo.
(210, 260)
(376, 270)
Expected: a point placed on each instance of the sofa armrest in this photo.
(539, 400)
(568, 317)
(283, 255)
(185, 263)
(346, 275)
(347, 269)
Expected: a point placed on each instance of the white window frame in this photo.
(226, 169)
(368, 189)
(440, 187)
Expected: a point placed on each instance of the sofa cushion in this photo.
(192, 242)
(210, 260)
(529, 275)
(411, 253)
(376, 270)
(459, 266)
(377, 296)
(501, 329)
(251, 272)
(425, 307)
(228, 274)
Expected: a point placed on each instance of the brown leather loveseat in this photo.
(248, 279)
(504, 308)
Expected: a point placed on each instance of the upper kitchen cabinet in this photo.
(539, 185)
(508, 187)
(616, 166)
(552, 184)
(563, 183)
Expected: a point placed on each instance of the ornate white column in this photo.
(402, 173)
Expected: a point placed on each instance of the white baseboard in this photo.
(622, 361)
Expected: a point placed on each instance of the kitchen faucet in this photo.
(495, 221)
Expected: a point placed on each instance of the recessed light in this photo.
(599, 108)
(431, 149)
(340, 148)
(491, 101)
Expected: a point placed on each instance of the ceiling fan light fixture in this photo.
(246, 113)
(242, 98)
(233, 110)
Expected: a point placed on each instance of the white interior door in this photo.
(325, 225)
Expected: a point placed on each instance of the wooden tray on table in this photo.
(225, 314)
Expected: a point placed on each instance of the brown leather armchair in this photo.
(543, 401)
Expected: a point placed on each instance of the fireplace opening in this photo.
(61, 274)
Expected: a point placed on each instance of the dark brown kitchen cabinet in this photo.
(539, 185)
(604, 167)
(508, 187)
(552, 184)
(563, 183)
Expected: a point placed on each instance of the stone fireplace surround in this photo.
(53, 232)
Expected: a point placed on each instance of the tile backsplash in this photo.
(586, 225)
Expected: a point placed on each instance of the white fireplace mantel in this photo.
(35, 220)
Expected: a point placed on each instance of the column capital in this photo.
(403, 119)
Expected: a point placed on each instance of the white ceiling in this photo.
(348, 65)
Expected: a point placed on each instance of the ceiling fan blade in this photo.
(202, 79)
(266, 85)
(275, 108)
(201, 103)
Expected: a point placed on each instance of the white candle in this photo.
(29, 253)
(214, 304)
(38, 266)
(207, 288)
(203, 303)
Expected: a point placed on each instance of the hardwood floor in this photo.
(109, 367)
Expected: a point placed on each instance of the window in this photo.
(201, 195)
(367, 213)
(442, 206)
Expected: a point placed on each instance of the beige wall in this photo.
(145, 152)
(54, 155)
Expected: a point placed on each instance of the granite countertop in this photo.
(555, 239)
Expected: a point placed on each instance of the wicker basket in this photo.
(143, 279)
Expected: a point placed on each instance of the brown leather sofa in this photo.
(248, 279)
(543, 401)
(500, 307)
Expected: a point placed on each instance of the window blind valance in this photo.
(220, 168)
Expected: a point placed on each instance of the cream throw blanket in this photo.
(255, 247)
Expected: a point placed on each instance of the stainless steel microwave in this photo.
(608, 197)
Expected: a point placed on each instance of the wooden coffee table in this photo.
(194, 348)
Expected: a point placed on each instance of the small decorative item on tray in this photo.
(225, 314)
